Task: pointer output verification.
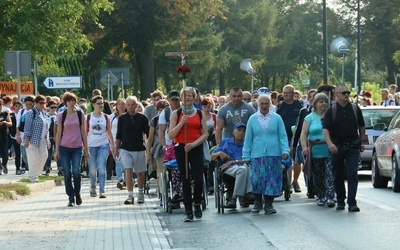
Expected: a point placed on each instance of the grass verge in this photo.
(7, 190)
(44, 178)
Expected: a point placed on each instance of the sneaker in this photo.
(197, 212)
(340, 206)
(310, 195)
(130, 200)
(93, 192)
(269, 209)
(188, 217)
(70, 203)
(120, 186)
(257, 207)
(243, 204)
(48, 170)
(321, 202)
(5, 170)
(296, 187)
(231, 203)
(353, 208)
(102, 195)
(140, 198)
(330, 203)
(18, 172)
(78, 199)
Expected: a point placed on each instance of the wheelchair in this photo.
(223, 188)
(168, 201)
(224, 185)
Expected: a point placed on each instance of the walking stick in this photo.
(185, 128)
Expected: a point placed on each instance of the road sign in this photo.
(63, 82)
(18, 60)
(109, 79)
(122, 74)
(10, 88)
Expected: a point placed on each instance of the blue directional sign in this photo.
(63, 82)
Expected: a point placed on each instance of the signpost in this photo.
(18, 63)
(63, 82)
(109, 79)
(121, 74)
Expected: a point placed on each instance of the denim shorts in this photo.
(299, 159)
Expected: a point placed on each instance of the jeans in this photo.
(24, 157)
(98, 162)
(351, 155)
(196, 161)
(119, 169)
(4, 150)
(70, 159)
(50, 155)
(17, 151)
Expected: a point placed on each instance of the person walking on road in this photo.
(188, 129)
(132, 126)
(36, 137)
(344, 128)
(265, 158)
(99, 139)
(71, 137)
(314, 146)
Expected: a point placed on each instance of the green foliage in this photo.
(375, 89)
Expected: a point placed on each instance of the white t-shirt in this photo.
(162, 120)
(97, 135)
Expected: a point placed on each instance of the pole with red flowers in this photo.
(182, 71)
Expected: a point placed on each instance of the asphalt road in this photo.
(299, 224)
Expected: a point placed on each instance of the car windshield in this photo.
(374, 116)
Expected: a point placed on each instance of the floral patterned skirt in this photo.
(266, 175)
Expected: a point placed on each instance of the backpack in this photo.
(21, 126)
(88, 119)
(64, 116)
(199, 112)
(334, 111)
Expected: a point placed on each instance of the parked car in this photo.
(386, 156)
(374, 115)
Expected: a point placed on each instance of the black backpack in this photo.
(21, 126)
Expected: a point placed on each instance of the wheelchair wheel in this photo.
(286, 185)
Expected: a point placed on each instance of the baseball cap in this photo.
(263, 90)
(255, 92)
(239, 124)
(197, 90)
(174, 94)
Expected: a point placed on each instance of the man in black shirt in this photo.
(343, 132)
(132, 127)
(289, 110)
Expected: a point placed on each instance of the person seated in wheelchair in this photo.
(169, 162)
(229, 153)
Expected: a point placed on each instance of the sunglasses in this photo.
(345, 93)
(53, 107)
